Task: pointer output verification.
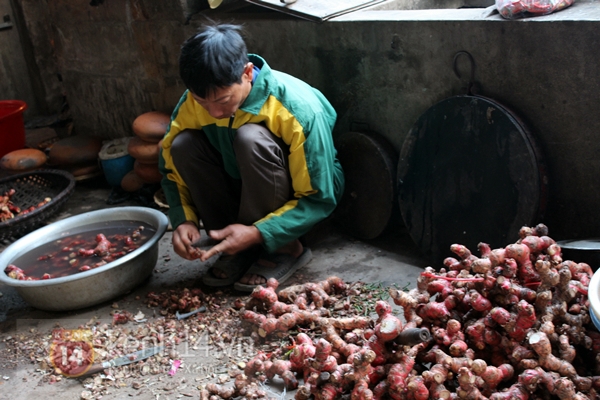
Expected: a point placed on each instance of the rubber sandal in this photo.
(286, 265)
(235, 266)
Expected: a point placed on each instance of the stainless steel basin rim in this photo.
(52, 232)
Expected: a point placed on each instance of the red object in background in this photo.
(514, 9)
(12, 127)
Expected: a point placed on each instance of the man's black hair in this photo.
(213, 58)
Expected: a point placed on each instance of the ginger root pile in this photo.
(9, 210)
(512, 323)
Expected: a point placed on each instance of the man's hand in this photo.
(183, 237)
(233, 239)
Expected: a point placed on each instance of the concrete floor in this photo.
(390, 259)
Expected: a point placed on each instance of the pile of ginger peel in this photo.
(512, 323)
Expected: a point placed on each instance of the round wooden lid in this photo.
(469, 172)
(148, 173)
(84, 171)
(23, 160)
(131, 182)
(369, 162)
(142, 151)
(151, 126)
(75, 150)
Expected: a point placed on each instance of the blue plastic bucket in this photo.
(115, 160)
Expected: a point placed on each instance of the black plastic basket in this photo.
(31, 188)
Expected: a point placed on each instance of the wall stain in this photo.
(396, 53)
(341, 74)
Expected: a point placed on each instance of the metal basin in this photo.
(586, 251)
(582, 251)
(97, 285)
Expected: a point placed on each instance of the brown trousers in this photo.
(221, 200)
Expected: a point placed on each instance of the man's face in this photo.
(224, 102)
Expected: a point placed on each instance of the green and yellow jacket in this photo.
(292, 110)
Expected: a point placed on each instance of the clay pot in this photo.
(75, 150)
(142, 151)
(131, 182)
(23, 160)
(84, 171)
(148, 173)
(151, 126)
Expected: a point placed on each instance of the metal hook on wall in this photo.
(472, 77)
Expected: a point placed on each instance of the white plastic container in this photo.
(594, 296)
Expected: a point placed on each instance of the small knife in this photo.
(123, 360)
(205, 241)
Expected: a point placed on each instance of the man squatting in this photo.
(249, 152)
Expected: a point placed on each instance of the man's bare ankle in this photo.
(293, 248)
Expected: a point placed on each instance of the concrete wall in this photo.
(15, 83)
(380, 69)
(27, 58)
(117, 60)
(431, 4)
(39, 46)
